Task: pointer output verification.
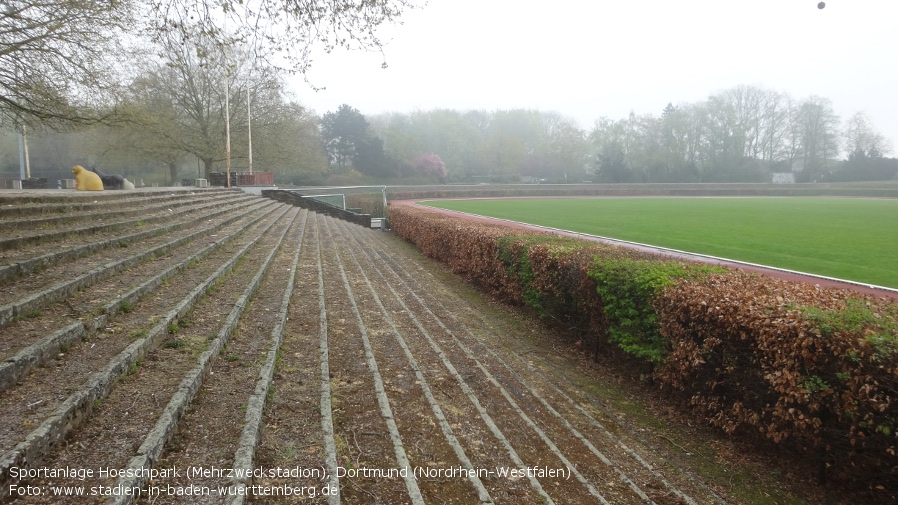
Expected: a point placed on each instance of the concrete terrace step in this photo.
(31, 202)
(98, 221)
(36, 216)
(25, 260)
(80, 404)
(47, 348)
(20, 303)
(296, 342)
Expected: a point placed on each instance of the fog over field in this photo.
(402, 92)
(592, 59)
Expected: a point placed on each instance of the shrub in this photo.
(790, 361)
(752, 355)
(627, 289)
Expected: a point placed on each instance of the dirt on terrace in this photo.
(394, 382)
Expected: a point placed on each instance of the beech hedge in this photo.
(757, 357)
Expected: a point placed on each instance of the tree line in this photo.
(161, 104)
(176, 124)
(743, 134)
(162, 100)
(135, 85)
(171, 119)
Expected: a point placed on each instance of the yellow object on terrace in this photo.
(85, 180)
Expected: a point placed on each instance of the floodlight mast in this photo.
(227, 130)
(249, 127)
(24, 161)
(227, 115)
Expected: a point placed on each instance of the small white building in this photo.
(783, 177)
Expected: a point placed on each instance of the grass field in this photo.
(855, 239)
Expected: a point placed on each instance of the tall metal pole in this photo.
(227, 130)
(383, 222)
(21, 156)
(27, 157)
(24, 159)
(249, 127)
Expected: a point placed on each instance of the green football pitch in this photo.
(847, 238)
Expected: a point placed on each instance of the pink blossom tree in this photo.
(430, 165)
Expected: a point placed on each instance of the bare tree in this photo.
(56, 58)
(792, 139)
(287, 28)
(176, 109)
(567, 148)
(861, 138)
(775, 119)
(820, 136)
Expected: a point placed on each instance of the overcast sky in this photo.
(587, 59)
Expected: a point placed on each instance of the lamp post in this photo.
(24, 161)
(227, 131)
(249, 126)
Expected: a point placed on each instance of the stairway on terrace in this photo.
(94, 286)
(179, 338)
